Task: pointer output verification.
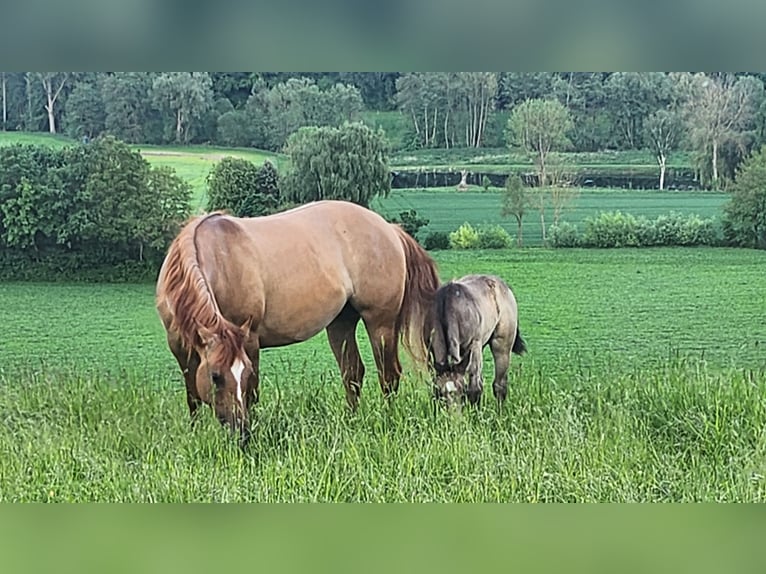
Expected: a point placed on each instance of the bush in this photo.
(611, 229)
(464, 237)
(243, 188)
(615, 229)
(563, 235)
(411, 222)
(436, 240)
(744, 221)
(494, 237)
(85, 207)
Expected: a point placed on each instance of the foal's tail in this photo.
(519, 346)
(420, 286)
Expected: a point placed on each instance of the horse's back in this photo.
(295, 271)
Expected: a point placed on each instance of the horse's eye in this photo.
(218, 379)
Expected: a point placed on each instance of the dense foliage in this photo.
(719, 116)
(83, 207)
(348, 162)
(745, 214)
(617, 229)
(242, 188)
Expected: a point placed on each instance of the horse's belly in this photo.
(288, 324)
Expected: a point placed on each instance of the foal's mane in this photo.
(193, 306)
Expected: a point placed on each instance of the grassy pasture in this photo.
(645, 381)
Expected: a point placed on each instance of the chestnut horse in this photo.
(231, 286)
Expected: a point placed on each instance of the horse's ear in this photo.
(246, 326)
(206, 335)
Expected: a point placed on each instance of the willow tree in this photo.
(349, 162)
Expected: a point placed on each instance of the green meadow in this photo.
(645, 381)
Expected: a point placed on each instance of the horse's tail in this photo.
(183, 287)
(519, 345)
(420, 286)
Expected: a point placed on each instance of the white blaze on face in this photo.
(236, 370)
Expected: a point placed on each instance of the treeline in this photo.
(96, 211)
(721, 117)
(444, 109)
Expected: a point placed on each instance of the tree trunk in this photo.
(715, 163)
(179, 125)
(446, 128)
(5, 105)
(51, 117)
(663, 160)
(518, 232)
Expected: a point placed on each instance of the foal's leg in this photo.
(382, 332)
(475, 383)
(501, 353)
(342, 336)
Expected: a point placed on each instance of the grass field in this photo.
(447, 209)
(645, 381)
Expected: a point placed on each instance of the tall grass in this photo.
(676, 433)
(645, 381)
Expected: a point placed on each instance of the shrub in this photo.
(744, 221)
(494, 237)
(243, 188)
(410, 221)
(464, 237)
(611, 229)
(563, 235)
(614, 229)
(485, 182)
(437, 240)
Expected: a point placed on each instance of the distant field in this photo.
(447, 209)
(644, 381)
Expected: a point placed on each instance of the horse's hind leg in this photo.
(383, 338)
(475, 382)
(501, 353)
(342, 336)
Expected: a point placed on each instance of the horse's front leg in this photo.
(188, 363)
(252, 390)
(475, 383)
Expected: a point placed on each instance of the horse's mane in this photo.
(193, 306)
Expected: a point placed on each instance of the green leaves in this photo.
(244, 189)
(349, 163)
(745, 214)
(102, 199)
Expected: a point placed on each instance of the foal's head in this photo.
(449, 387)
(225, 378)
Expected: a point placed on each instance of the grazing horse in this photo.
(468, 314)
(231, 286)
